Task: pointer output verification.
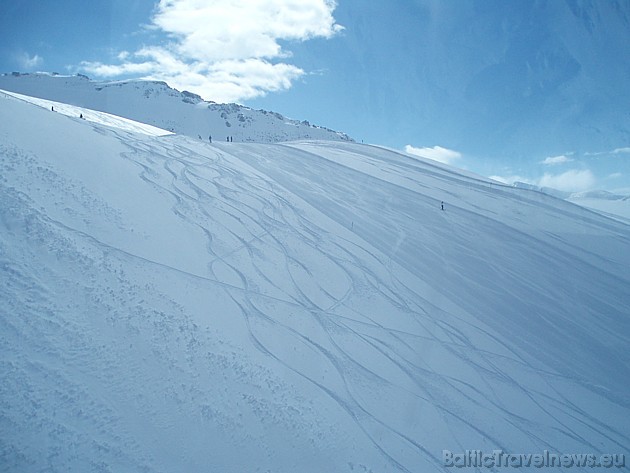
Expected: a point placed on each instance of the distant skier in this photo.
(81, 116)
(210, 138)
(227, 138)
(52, 109)
(442, 205)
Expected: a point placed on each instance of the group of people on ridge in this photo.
(227, 138)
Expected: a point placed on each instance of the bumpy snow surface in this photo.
(171, 305)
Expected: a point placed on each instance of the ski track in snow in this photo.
(329, 317)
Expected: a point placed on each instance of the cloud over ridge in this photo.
(437, 153)
(225, 50)
(573, 180)
(28, 62)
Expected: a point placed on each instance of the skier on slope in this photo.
(442, 205)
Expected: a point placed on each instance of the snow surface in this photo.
(170, 305)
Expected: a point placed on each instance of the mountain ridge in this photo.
(158, 104)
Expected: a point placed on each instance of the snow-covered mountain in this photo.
(157, 104)
(608, 203)
(613, 205)
(167, 304)
(547, 190)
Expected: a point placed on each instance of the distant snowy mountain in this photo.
(157, 104)
(547, 190)
(171, 305)
(607, 203)
(610, 204)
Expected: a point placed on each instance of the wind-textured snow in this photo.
(172, 305)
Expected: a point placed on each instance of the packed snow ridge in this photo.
(173, 305)
(157, 104)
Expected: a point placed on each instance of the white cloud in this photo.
(571, 181)
(28, 62)
(510, 179)
(554, 160)
(614, 151)
(224, 50)
(437, 153)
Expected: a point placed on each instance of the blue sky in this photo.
(519, 90)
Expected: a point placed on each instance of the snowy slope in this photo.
(171, 305)
(91, 116)
(157, 104)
